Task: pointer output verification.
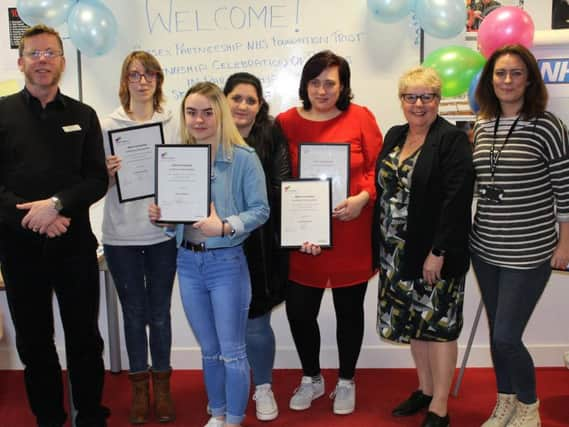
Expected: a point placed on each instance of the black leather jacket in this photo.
(268, 263)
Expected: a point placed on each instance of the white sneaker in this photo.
(215, 422)
(344, 397)
(265, 403)
(306, 393)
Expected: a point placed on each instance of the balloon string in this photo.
(415, 25)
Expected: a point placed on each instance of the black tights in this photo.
(302, 307)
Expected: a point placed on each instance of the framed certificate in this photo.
(323, 160)
(135, 146)
(183, 182)
(306, 212)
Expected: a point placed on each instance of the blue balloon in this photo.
(48, 12)
(472, 92)
(389, 10)
(441, 18)
(92, 27)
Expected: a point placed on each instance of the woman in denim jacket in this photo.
(212, 269)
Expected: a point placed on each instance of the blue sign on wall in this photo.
(554, 70)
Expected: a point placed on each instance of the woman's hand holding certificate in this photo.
(132, 160)
(306, 213)
(183, 182)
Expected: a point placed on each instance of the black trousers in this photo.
(302, 308)
(32, 274)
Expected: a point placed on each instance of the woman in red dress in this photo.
(328, 116)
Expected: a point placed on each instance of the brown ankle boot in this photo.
(163, 404)
(140, 406)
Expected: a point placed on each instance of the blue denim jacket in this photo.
(239, 193)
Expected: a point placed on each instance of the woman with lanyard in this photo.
(212, 269)
(521, 156)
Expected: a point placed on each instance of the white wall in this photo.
(378, 54)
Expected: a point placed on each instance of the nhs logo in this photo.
(554, 70)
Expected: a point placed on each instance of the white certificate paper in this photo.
(135, 147)
(306, 212)
(183, 182)
(323, 160)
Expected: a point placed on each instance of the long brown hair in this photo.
(535, 95)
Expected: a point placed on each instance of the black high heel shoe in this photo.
(415, 403)
(433, 420)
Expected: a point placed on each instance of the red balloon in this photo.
(505, 25)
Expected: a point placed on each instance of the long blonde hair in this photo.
(227, 133)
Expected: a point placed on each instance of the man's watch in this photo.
(57, 203)
(438, 252)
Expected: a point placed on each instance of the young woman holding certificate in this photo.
(140, 257)
(268, 263)
(212, 269)
(328, 116)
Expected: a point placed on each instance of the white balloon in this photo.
(48, 12)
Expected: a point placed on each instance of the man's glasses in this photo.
(47, 54)
(411, 98)
(135, 76)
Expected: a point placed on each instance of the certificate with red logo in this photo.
(135, 147)
(183, 182)
(306, 212)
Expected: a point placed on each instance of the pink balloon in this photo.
(505, 25)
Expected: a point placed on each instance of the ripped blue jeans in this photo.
(216, 292)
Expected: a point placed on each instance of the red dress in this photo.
(349, 261)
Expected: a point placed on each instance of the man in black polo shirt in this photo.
(52, 168)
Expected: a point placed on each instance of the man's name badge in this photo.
(71, 128)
